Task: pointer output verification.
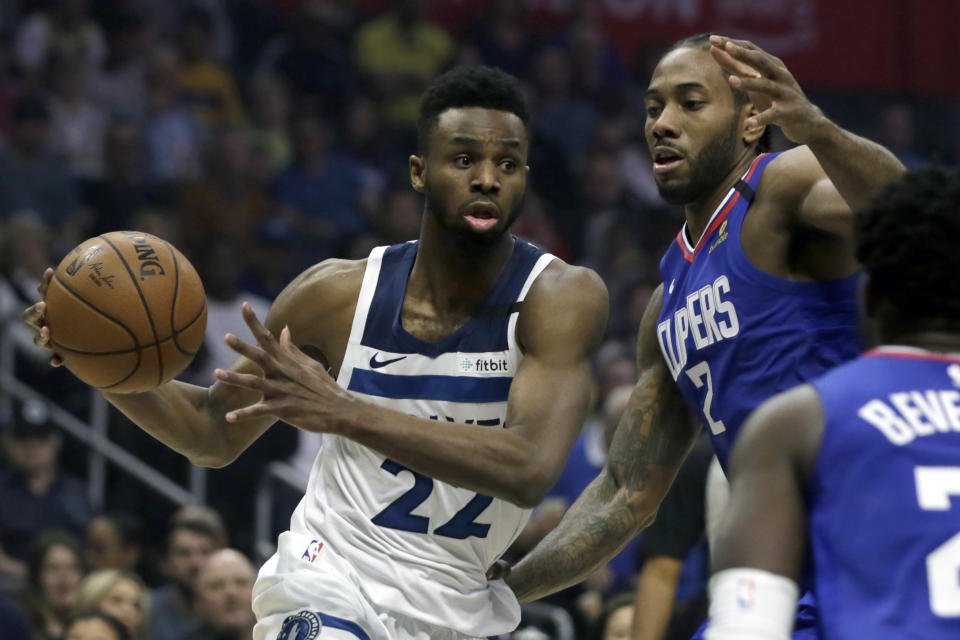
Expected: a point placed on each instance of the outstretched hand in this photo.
(295, 387)
(771, 87)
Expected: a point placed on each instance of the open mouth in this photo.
(666, 159)
(481, 216)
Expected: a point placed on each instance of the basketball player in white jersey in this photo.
(460, 369)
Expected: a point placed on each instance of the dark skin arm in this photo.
(651, 441)
(765, 524)
(560, 327)
(190, 419)
(836, 171)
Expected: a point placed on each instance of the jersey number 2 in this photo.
(699, 375)
(935, 485)
(397, 514)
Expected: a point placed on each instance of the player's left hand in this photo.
(771, 87)
(295, 387)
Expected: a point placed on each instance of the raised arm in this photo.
(836, 171)
(560, 327)
(762, 538)
(652, 439)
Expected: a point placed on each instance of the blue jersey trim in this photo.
(431, 387)
(484, 332)
(345, 625)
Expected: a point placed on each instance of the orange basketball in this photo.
(126, 311)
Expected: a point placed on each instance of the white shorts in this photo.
(305, 600)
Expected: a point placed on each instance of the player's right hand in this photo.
(34, 317)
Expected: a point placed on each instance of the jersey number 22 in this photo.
(397, 514)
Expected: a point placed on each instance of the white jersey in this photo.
(421, 546)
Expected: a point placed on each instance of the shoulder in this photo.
(790, 424)
(790, 176)
(570, 290)
(325, 288)
(567, 302)
(563, 280)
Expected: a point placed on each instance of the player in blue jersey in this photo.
(459, 377)
(862, 466)
(757, 292)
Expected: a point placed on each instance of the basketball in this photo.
(126, 311)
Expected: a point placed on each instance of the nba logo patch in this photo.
(304, 625)
(312, 551)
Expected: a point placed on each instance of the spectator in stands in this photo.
(77, 125)
(122, 594)
(564, 120)
(671, 587)
(94, 625)
(313, 58)
(270, 114)
(896, 129)
(54, 572)
(537, 224)
(399, 52)
(206, 516)
(226, 203)
(367, 146)
(173, 612)
(618, 616)
(502, 38)
(123, 190)
(63, 30)
(319, 194)
(118, 88)
(35, 495)
(224, 595)
(114, 541)
(172, 136)
(598, 74)
(31, 177)
(206, 86)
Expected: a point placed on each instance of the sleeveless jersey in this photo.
(423, 546)
(884, 498)
(733, 335)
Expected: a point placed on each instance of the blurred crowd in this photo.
(261, 136)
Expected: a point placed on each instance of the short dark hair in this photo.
(469, 86)
(701, 41)
(96, 614)
(193, 526)
(906, 240)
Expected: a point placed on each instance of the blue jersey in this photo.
(884, 499)
(733, 335)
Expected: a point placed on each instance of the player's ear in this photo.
(751, 134)
(418, 170)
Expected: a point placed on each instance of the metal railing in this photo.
(94, 435)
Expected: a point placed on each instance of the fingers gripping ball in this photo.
(126, 311)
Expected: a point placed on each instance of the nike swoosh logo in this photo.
(376, 364)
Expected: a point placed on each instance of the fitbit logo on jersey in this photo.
(706, 318)
(469, 364)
